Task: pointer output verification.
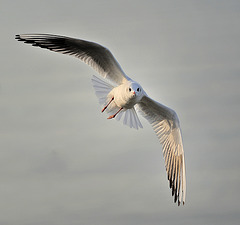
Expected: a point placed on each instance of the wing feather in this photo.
(165, 123)
(93, 54)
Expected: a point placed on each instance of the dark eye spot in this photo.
(138, 89)
(129, 89)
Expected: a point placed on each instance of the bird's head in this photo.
(134, 90)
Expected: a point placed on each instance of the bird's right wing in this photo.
(166, 125)
(93, 54)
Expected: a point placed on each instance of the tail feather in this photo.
(102, 89)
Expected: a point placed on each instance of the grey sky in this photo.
(63, 162)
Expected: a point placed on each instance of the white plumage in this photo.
(120, 99)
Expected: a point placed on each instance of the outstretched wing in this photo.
(166, 125)
(93, 54)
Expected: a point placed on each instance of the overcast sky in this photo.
(62, 162)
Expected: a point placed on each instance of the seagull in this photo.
(122, 97)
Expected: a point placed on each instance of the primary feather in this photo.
(93, 54)
(166, 125)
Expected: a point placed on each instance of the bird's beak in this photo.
(134, 93)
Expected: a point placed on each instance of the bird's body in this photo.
(127, 94)
(121, 97)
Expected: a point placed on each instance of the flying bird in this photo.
(122, 97)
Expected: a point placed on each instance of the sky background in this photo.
(62, 162)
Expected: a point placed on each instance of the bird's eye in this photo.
(138, 89)
(129, 89)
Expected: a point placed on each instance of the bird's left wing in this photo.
(166, 125)
(93, 54)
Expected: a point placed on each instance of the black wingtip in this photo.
(170, 183)
(18, 37)
(175, 198)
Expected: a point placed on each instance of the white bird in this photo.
(122, 97)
